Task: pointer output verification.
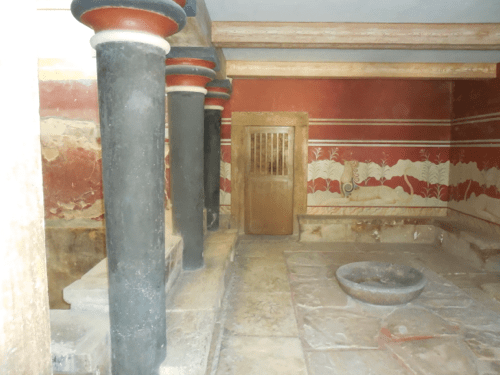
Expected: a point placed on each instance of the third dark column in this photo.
(218, 93)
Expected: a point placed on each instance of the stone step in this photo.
(80, 342)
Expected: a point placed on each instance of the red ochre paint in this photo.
(69, 99)
(75, 176)
(118, 18)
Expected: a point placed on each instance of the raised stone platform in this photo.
(90, 293)
(193, 302)
(480, 248)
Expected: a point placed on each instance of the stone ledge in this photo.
(481, 249)
(194, 304)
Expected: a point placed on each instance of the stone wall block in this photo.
(453, 244)
(426, 234)
(397, 234)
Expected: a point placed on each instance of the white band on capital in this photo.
(218, 107)
(129, 36)
(186, 88)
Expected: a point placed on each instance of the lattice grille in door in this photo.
(269, 182)
(269, 153)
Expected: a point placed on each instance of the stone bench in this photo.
(90, 293)
(481, 249)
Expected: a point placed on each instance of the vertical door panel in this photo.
(269, 180)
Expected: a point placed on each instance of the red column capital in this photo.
(188, 74)
(219, 91)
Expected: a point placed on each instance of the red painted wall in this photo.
(476, 97)
(345, 98)
(69, 99)
(412, 116)
(71, 160)
(475, 148)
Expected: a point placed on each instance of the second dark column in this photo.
(186, 79)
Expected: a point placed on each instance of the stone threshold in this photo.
(80, 336)
(480, 248)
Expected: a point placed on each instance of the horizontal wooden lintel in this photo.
(261, 69)
(356, 35)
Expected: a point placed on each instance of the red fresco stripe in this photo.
(476, 131)
(69, 99)
(375, 132)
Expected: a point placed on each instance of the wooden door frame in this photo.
(239, 122)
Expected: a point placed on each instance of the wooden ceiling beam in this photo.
(356, 35)
(272, 69)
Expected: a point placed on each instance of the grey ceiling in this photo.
(386, 11)
(434, 11)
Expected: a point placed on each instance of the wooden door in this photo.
(269, 180)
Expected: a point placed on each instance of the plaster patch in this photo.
(92, 212)
(50, 154)
(54, 126)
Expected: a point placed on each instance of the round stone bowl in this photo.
(381, 283)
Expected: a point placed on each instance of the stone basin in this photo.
(381, 283)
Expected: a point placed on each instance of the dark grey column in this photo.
(132, 112)
(187, 72)
(212, 167)
(185, 119)
(218, 93)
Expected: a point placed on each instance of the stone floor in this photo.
(284, 313)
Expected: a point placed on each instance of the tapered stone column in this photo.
(218, 93)
(186, 78)
(131, 51)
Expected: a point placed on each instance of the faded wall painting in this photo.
(375, 146)
(378, 166)
(340, 176)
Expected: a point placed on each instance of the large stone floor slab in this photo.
(261, 275)
(307, 293)
(446, 330)
(328, 328)
(413, 322)
(80, 342)
(242, 355)
(261, 314)
(440, 356)
(354, 362)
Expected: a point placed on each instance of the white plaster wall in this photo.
(24, 314)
